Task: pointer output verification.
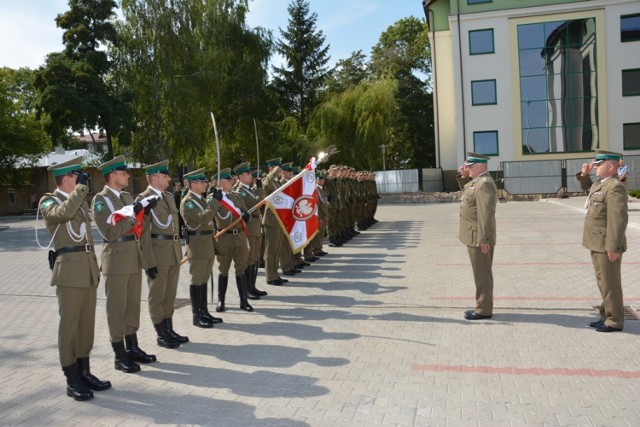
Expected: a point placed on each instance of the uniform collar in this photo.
(116, 192)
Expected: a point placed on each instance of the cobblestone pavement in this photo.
(372, 334)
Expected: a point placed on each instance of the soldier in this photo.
(162, 254)
(234, 244)
(121, 266)
(314, 249)
(198, 218)
(478, 230)
(288, 263)
(251, 196)
(273, 236)
(75, 275)
(604, 235)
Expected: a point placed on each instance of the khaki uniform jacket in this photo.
(117, 257)
(198, 216)
(270, 184)
(323, 205)
(607, 217)
(73, 269)
(163, 219)
(478, 211)
(250, 198)
(223, 217)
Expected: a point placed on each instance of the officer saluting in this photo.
(75, 275)
(162, 254)
(121, 266)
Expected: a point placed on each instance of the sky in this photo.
(28, 31)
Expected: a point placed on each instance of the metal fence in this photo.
(409, 181)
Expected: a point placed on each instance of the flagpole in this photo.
(255, 127)
(215, 131)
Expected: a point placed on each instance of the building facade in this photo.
(534, 79)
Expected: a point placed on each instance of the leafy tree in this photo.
(349, 72)
(74, 85)
(22, 138)
(299, 83)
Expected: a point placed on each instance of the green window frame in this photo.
(630, 28)
(483, 141)
(631, 82)
(631, 136)
(479, 37)
(484, 92)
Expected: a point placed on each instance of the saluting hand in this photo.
(586, 168)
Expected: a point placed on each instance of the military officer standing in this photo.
(234, 244)
(162, 254)
(604, 235)
(478, 230)
(251, 195)
(198, 219)
(314, 248)
(75, 275)
(273, 235)
(121, 266)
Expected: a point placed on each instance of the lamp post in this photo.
(383, 149)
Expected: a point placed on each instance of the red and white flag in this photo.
(297, 208)
(127, 212)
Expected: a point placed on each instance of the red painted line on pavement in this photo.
(529, 371)
(531, 263)
(534, 298)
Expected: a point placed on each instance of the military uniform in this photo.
(478, 226)
(75, 275)
(161, 257)
(273, 235)
(604, 231)
(198, 219)
(314, 248)
(121, 266)
(251, 196)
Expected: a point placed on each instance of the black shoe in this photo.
(276, 282)
(259, 292)
(597, 324)
(89, 380)
(251, 295)
(290, 272)
(135, 353)
(472, 315)
(605, 328)
(322, 253)
(122, 361)
(312, 259)
(283, 280)
(168, 323)
(75, 386)
(303, 264)
(163, 339)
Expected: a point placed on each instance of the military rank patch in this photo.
(189, 205)
(99, 206)
(243, 193)
(47, 203)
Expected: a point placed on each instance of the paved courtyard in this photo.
(372, 334)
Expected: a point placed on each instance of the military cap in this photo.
(258, 173)
(70, 166)
(320, 174)
(287, 166)
(117, 163)
(196, 175)
(225, 174)
(473, 158)
(274, 162)
(602, 155)
(160, 167)
(242, 168)
(296, 170)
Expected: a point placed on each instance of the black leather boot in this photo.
(242, 292)
(122, 361)
(248, 275)
(168, 324)
(164, 339)
(223, 281)
(254, 276)
(198, 319)
(135, 353)
(90, 381)
(203, 303)
(75, 386)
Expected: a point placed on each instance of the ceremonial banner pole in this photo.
(255, 127)
(215, 131)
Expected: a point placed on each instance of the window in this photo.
(630, 28)
(483, 92)
(478, 1)
(631, 136)
(558, 86)
(486, 142)
(631, 82)
(481, 42)
(11, 192)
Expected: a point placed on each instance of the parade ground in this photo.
(371, 334)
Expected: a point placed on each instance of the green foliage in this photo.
(635, 193)
(22, 137)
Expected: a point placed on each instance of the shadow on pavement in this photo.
(290, 330)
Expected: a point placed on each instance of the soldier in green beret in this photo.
(198, 218)
(273, 235)
(75, 275)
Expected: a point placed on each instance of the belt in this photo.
(86, 248)
(200, 233)
(259, 216)
(127, 238)
(165, 236)
(233, 231)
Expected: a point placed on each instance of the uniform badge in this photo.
(189, 205)
(243, 193)
(484, 179)
(47, 203)
(99, 206)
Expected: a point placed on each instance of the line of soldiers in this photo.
(236, 204)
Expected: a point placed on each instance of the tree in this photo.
(349, 72)
(298, 85)
(74, 85)
(22, 138)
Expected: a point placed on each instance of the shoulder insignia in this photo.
(189, 205)
(484, 179)
(243, 193)
(47, 203)
(98, 206)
